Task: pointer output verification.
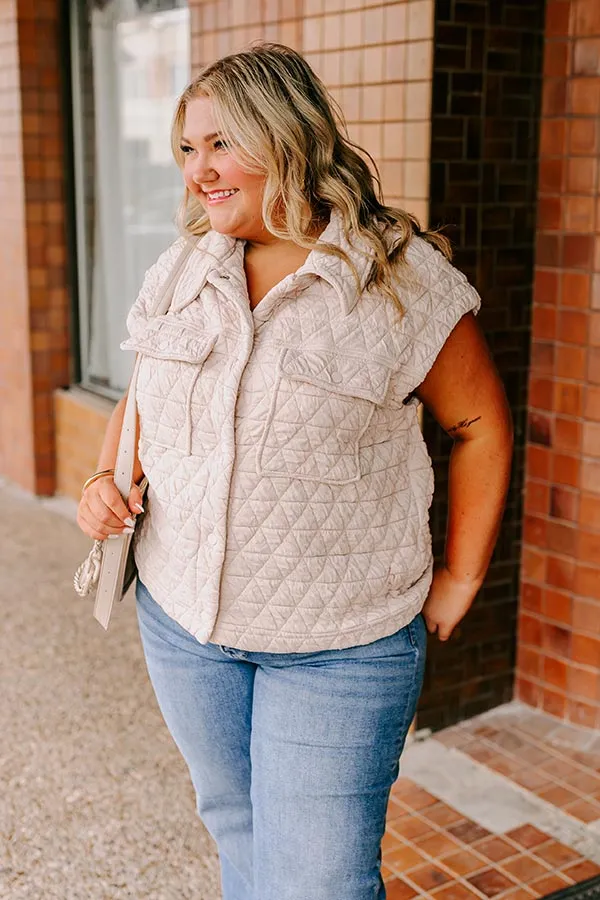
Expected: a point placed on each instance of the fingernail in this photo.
(130, 523)
(139, 506)
(113, 537)
(127, 531)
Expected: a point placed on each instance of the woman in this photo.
(285, 556)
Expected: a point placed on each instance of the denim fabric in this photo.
(292, 755)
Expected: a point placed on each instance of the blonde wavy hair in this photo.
(278, 119)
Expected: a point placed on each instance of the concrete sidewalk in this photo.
(95, 802)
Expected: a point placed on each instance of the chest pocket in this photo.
(322, 405)
(173, 354)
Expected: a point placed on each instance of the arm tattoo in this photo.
(466, 423)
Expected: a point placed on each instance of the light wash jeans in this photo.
(292, 755)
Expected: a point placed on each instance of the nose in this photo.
(202, 173)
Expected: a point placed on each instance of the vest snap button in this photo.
(337, 377)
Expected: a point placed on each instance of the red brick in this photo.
(588, 545)
(565, 469)
(546, 284)
(585, 650)
(554, 703)
(537, 498)
(590, 476)
(534, 564)
(573, 327)
(530, 630)
(541, 393)
(556, 640)
(558, 14)
(593, 367)
(581, 176)
(542, 358)
(531, 597)
(534, 531)
(528, 661)
(555, 672)
(583, 96)
(583, 683)
(583, 137)
(571, 362)
(556, 58)
(556, 605)
(591, 439)
(589, 510)
(567, 434)
(586, 616)
(578, 213)
(552, 137)
(528, 691)
(591, 403)
(539, 461)
(551, 181)
(564, 504)
(575, 290)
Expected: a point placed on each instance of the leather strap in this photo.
(114, 552)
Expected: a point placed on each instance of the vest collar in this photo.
(222, 255)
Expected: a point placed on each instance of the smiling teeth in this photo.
(218, 194)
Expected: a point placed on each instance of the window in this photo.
(131, 60)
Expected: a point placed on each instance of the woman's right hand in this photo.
(102, 512)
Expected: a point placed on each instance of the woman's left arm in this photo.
(465, 395)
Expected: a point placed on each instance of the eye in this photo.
(185, 149)
(220, 145)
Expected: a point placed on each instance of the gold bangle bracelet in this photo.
(95, 477)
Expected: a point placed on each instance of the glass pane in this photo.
(131, 59)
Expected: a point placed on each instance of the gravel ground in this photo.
(95, 802)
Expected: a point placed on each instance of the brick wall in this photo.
(374, 57)
(487, 66)
(34, 331)
(559, 627)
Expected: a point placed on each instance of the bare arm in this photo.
(465, 395)
(102, 511)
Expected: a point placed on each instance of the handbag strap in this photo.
(126, 451)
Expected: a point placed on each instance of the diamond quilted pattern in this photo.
(289, 485)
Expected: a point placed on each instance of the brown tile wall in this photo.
(559, 623)
(34, 320)
(486, 87)
(374, 57)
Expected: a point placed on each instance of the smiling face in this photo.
(231, 195)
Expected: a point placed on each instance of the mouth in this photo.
(214, 197)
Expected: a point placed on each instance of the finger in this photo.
(91, 528)
(97, 514)
(111, 498)
(444, 632)
(135, 500)
(431, 625)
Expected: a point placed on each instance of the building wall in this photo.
(374, 57)
(34, 320)
(486, 97)
(559, 624)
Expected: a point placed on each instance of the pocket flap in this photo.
(163, 338)
(357, 377)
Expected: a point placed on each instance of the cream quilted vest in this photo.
(289, 483)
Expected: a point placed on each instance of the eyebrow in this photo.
(207, 139)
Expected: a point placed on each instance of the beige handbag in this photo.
(110, 566)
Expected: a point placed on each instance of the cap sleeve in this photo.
(154, 278)
(435, 297)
